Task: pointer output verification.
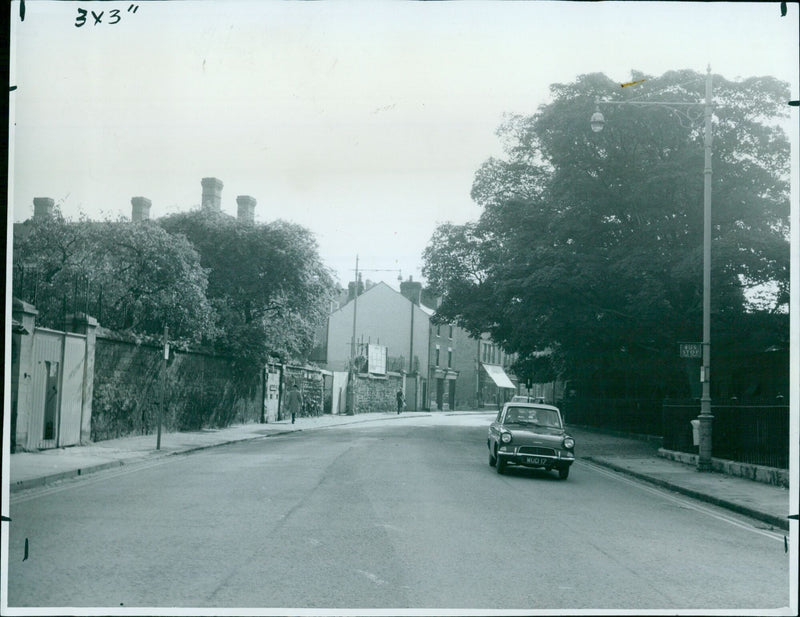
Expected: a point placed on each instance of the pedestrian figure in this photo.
(294, 401)
(401, 401)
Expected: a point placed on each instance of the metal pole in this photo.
(705, 417)
(163, 385)
(355, 312)
(351, 395)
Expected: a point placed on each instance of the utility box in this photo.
(695, 432)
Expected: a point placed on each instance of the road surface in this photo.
(392, 514)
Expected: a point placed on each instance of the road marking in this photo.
(682, 501)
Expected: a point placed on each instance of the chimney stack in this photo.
(42, 208)
(351, 289)
(247, 207)
(411, 289)
(212, 194)
(140, 209)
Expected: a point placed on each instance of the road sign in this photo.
(691, 350)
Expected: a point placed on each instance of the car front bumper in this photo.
(560, 459)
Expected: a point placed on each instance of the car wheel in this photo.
(563, 473)
(500, 466)
(492, 459)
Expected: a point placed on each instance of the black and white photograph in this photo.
(393, 307)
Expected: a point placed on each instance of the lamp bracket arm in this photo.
(679, 108)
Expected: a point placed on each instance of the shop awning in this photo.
(498, 375)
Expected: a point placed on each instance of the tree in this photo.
(266, 282)
(590, 244)
(134, 278)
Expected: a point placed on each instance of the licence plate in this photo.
(535, 460)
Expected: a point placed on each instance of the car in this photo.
(530, 435)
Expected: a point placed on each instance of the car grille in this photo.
(537, 450)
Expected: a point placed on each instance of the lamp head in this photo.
(597, 121)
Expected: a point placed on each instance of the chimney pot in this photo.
(212, 194)
(351, 288)
(411, 290)
(247, 207)
(140, 209)
(42, 208)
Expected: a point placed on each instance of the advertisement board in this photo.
(376, 359)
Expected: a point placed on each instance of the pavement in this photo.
(767, 503)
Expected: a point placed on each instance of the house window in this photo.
(451, 332)
(438, 330)
(449, 358)
(437, 356)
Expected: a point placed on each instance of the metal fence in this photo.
(747, 433)
(755, 434)
(642, 416)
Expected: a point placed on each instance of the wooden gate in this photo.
(57, 396)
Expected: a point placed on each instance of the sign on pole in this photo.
(691, 350)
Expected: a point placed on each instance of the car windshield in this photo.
(532, 415)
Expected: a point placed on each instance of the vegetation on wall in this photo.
(202, 391)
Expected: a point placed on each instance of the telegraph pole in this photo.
(163, 385)
(355, 313)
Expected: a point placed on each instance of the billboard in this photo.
(376, 359)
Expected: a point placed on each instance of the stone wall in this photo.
(758, 473)
(311, 384)
(202, 391)
(376, 393)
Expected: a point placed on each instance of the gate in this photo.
(57, 395)
(272, 393)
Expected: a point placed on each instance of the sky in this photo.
(363, 121)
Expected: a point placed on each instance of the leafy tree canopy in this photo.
(134, 278)
(590, 244)
(266, 282)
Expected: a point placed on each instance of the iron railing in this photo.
(638, 416)
(746, 433)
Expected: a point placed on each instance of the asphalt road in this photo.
(393, 514)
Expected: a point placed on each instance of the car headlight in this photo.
(569, 443)
(505, 437)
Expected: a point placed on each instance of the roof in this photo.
(531, 405)
(428, 311)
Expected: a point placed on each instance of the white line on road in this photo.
(684, 501)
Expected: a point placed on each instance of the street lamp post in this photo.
(597, 122)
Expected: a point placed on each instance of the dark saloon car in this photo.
(532, 435)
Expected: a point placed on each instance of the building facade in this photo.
(382, 316)
(444, 367)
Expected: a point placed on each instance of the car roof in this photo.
(529, 405)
